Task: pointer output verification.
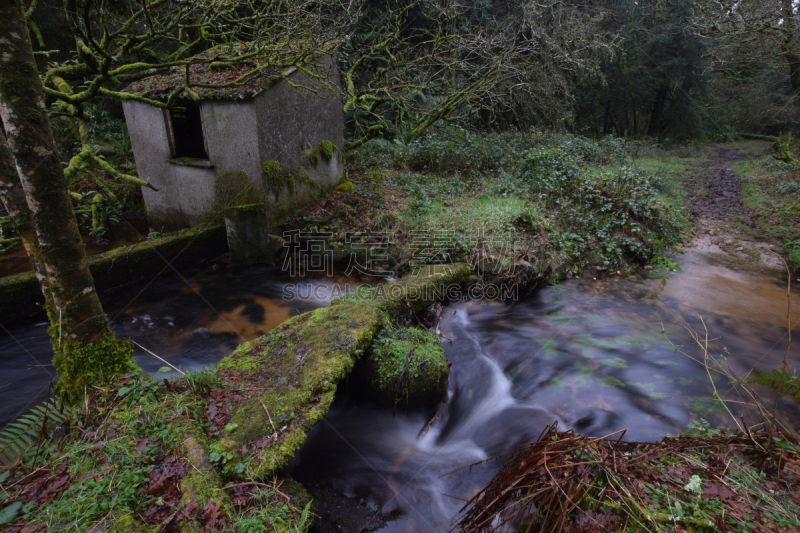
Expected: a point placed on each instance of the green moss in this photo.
(129, 524)
(326, 149)
(406, 365)
(202, 487)
(346, 186)
(301, 178)
(298, 366)
(313, 157)
(297, 492)
(80, 364)
(203, 482)
(275, 180)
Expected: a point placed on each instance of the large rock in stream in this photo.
(405, 366)
(279, 385)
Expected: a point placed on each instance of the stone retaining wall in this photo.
(21, 298)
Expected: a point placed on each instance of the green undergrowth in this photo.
(771, 189)
(122, 459)
(517, 206)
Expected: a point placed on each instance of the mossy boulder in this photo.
(278, 386)
(286, 381)
(406, 365)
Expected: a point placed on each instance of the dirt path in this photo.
(721, 222)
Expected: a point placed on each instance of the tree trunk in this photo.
(658, 107)
(13, 198)
(607, 120)
(86, 350)
(794, 69)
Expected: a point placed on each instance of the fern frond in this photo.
(19, 436)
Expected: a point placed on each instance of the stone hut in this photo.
(266, 141)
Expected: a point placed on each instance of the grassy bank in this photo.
(120, 462)
(205, 451)
(771, 189)
(518, 206)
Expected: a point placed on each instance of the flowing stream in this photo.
(588, 354)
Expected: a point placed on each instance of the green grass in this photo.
(660, 167)
(768, 191)
(101, 467)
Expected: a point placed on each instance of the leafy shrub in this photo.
(457, 149)
(608, 213)
(792, 251)
(449, 149)
(788, 187)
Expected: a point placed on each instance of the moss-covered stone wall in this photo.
(21, 298)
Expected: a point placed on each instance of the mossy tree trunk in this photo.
(86, 350)
(13, 198)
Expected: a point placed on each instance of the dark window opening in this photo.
(187, 131)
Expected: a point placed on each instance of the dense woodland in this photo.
(594, 132)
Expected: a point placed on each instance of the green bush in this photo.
(456, 149)
(614, 214)
(788, 187)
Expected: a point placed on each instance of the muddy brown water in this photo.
(588, 354)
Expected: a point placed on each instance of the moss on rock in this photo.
(286, 380)
(406, 365)
(276, 180)
(292, 373)
(345, 186)
(313, 157)
(298, 493)
(326, 149)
